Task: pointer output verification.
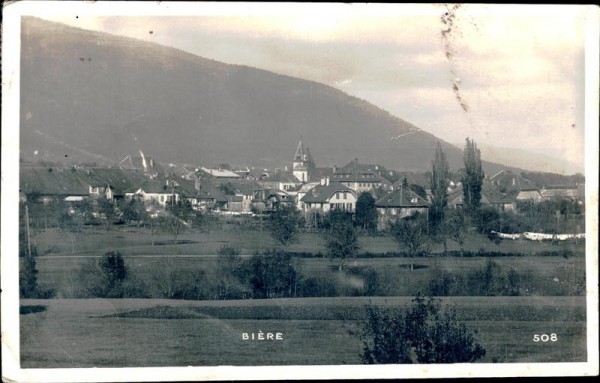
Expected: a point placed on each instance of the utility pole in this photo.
(27, 224)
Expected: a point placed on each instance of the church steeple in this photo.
(300, 153)
(300, 163)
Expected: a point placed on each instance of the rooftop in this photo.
(322, 193)
(402, 197)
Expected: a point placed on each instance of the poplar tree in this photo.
(439, 186)
(472, 178)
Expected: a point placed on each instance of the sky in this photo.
(506, 76)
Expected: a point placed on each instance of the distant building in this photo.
(360, 177)
(243, 195)
(159, 191)
(397, 204)
(209, 197)
(561, 191)
(302, 192)
(48, 184)
(490, 196)
(280, 180)
(220, 174)
(267, 199)
(508, 182)
(327, 197)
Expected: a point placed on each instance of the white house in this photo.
(327, 197)
(162, 192)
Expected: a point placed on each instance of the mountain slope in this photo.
(94, 96)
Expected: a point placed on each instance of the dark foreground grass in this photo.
(137, 332)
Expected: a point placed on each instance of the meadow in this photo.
(67, 332)
(193, 256)
(131, 240)
(138, 332)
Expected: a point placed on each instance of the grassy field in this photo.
(138, 241)
(540, 275)
(126, 332)
(58, 265)
(144, 332)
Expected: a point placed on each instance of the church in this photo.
(301, 163)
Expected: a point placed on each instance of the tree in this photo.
(472, 177)
(135, 211)
(107, 208)
(283, 224)
(114, 272)
(455, 226)
(421, 335)
(72, 224)
(228, 262)
(366, 213)
(28, 284)
(410, 233)
(271, 275)
(175, 219)
(439, 188)
(341, 240)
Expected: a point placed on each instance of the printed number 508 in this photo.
(545, 337)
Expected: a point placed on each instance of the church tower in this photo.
(300, 163)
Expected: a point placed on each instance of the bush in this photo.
(421, 335)
(489, 280)
(271, 275)
(114, 272)
(228, 285)
(443, 283)
(318, 287)
(370, 278)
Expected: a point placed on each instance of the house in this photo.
(360, 177)
(203, 194)
(266, 199)
(110, 183)
(280, 180)
(490, 196)
(52, 184)
(329, 196)
(220, 174)
(46, 184)
(571, 192)
(209, 197)
(397, 204)
(317, 174)
(302, 192)
(529, 195)
(159, 191)
(243, 191)
(102, 190)
(235, 203)
(507, 181)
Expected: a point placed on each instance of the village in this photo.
(310, 189)
(299, 243)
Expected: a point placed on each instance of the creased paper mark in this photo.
(449, 30)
